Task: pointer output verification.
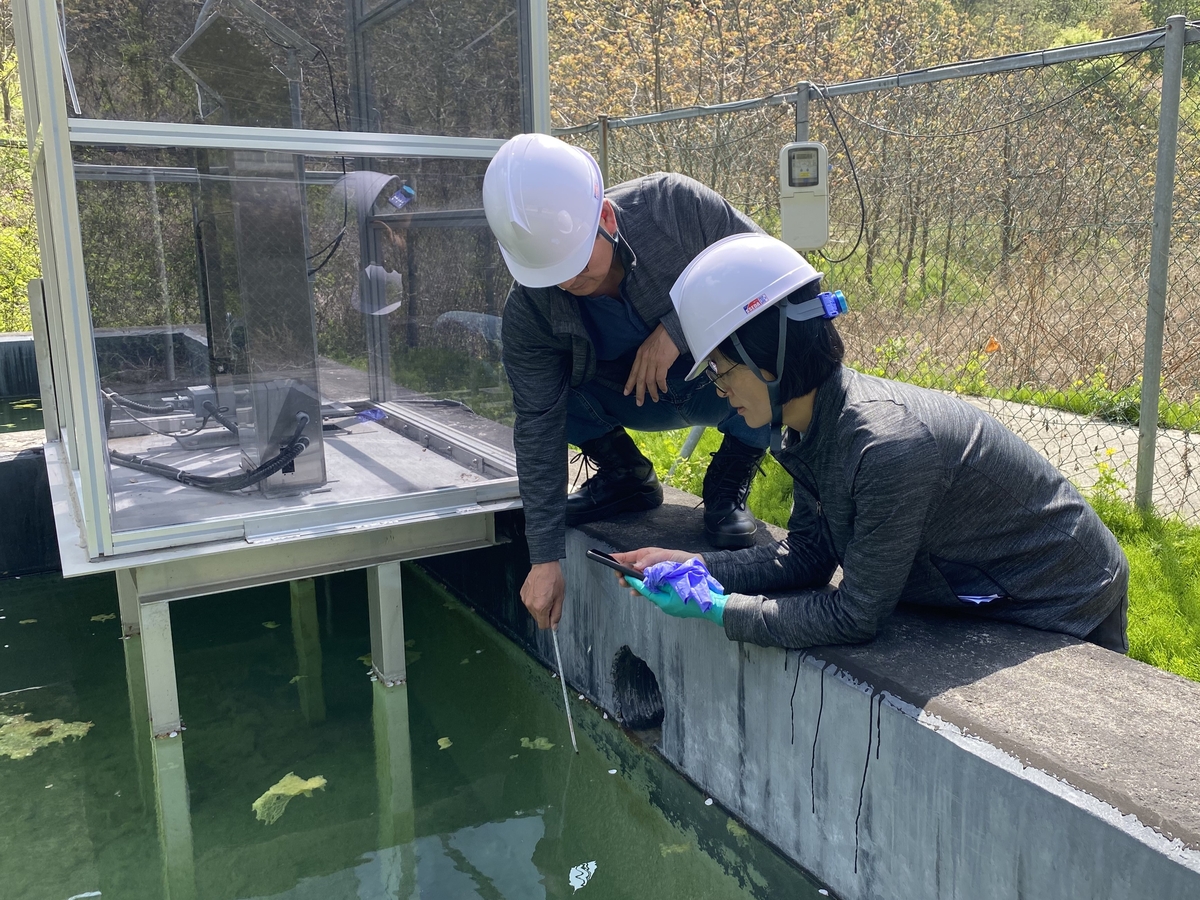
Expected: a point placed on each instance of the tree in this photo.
(18, 231)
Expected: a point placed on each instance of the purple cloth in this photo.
(690, 580)
(371, 415)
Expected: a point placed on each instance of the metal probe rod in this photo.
(563, 680)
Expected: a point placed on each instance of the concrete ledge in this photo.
(947, 759)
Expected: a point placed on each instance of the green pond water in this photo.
(460, 785)
(20, 414)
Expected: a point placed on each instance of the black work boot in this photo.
(624, 480)
(727, 522)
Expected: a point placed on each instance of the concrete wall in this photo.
(947, 759)
(28, 544)
(18, 366)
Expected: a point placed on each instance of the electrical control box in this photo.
(804, 195)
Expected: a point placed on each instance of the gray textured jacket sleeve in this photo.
(804, 558)
(894, 488)
(538, 365)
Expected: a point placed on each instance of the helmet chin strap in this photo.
(772, 386)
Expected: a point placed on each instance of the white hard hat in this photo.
(732, 281)
(542, 198)
(363, 192)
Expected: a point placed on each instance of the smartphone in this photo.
(605, 560)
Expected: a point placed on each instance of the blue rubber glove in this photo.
(668, 600)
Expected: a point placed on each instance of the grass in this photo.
(1164, 554)
(447, 374)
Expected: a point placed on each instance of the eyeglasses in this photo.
(717, 377)
(600, 233)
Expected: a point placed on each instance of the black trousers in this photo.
(1111, 633)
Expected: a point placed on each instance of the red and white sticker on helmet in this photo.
(754, 304)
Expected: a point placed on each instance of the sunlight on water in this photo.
(20, 414)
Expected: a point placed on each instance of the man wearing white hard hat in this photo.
(920, 497)
(592, 345)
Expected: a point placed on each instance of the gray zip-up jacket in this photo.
(922, 499)
(664, 222)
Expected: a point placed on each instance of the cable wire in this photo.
(296, 445)
(334, 244)
(862, 204)
(125, 404)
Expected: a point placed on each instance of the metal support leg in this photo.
(127, 600)
(387, 623)
(174, 819)
(327, 582)
(158, 656)
(306, 634)
(393, 771)
(139, 716)
(393, 764)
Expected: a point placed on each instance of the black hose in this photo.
(218, 415)
(223, 483)
(148, 408)
(296, 445)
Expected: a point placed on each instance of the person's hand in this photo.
(649, 372)
(543, 592)
(668, 600)
(645, 557)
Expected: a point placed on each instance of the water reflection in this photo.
(20, 414)
(435, 789)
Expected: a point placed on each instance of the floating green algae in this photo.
(270, 806)
(20, 737)
(538, 743)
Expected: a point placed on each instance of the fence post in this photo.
(602, 120)
(1160, 245)
(802, 111)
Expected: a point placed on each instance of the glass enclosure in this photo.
(425, 67)
(244, 300)
(251, 319)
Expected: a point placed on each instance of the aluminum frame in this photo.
(78, 463)
(37, 31)
(301, 542)
(539, 64)
(305, 141)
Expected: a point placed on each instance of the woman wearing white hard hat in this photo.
(920, 497)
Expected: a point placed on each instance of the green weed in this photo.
(1164, 593)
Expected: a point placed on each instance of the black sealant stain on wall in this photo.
(812, 767)
(792, 702)
(872, 723)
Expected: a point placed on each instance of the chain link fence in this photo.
(1000, 248)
